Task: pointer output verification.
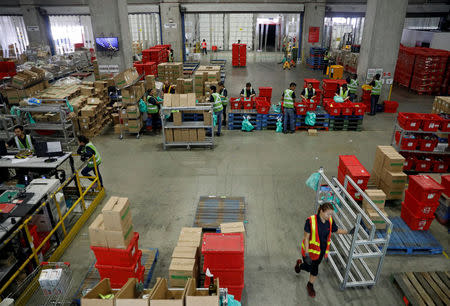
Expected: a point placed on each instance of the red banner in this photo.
(314, 33)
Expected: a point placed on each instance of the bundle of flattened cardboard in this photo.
(387, 172)
(204, 78)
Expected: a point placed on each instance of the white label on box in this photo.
(360, 182)
(413, 124)
(423, 165)
(430, 196)
(441, 167)
(410, 144)
(431, 125)
(427, 145)
(426, 210)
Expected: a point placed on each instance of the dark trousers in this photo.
(87, 170)
(352, 97)
(373, 104)
(224, 115)
(204, 51)
(289, 116)
(314, 267)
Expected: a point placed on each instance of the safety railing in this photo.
(95, 195)
(350, 254)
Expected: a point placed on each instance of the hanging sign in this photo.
(372, 72)
(32, 28)
(170, 25)
(313, 35)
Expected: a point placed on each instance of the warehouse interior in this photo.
(127, 209)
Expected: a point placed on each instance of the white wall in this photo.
(411, 38)
(441, 41)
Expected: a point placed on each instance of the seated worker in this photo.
(21, 141)
(167, 88)
(343, 92)
(308, 93)
(248, 91)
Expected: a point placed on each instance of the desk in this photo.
(34, 162)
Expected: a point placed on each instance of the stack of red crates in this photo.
(148, 68)
(120, 264)
(224, 257)
(329, 88)
(350, 165)
(266, 92)
(239, 55)
(7, 69)
(421, 201)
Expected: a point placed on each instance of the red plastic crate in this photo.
(409, 144)
(409, 164)
(445, 124)
(359, 109)
(445, 183)
(410, 121)
(311, 105)
(247, 104)
(120, 275)
(414, 222)
(265, 92)
(422, 210)
(348, 160)
(235, 103)
(118, 257)
(301, 109)
(315, 83)
(236, 291)
(427, 145)
(346, 109)
(390, 106)
(424, 188)
(223, 251)
(263, 108)
(439, 166)
(359, 174)
(334, 109)
(423, 165)
(232, 277)
(430, 122)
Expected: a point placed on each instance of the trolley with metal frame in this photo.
(349, 253)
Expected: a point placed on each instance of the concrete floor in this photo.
(269, 170)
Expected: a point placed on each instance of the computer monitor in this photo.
(3, 150)
(49, 149)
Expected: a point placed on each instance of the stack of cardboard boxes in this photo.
(378, 197)
(26, 78)
(130, 113)
(185, 86)
(170, 72)
(185, 257)
(93, 117)
(387, 172)
(150, 82)
(204, 77)
(96, 70)
(441, 104)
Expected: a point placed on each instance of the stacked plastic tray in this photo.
(120, 264)
(224, 257)
(421, 201)
(350, 165)
(266, 92)
(239, 55)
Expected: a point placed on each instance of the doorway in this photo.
(267, 37)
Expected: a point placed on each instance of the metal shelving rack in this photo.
(209, 140)
(349, 253)
(64, 126)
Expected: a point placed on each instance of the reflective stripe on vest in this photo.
(376, 90)
(245, 92)
(217, 107)
(98, 158)
(28, 143)
(288, 101)
(343, 94)
(353, 86)
(306, 92)
(314, 240)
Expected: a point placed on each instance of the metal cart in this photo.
(209, 140)
(121, 118)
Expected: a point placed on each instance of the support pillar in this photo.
(314, 17)
(110, 19)
(171, 28)
(36, 26)
(383, 27)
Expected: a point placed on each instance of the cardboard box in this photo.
(117, 214)
(117, 128)
(232, 227)
(191, 234)
(392, 193)
(184, 100)
(97, 235)
(312, 132)
(191, 99)
(120, 239)
(180, 270)
(92, 298)
(201, 135)
(177, 135)
(201, 297)
(167, 100)
(126, 78)
(134, 125)
(130, 296)
(177, 118)
(207, 118)
(189, 252)
(88, 111)
(87, 91)
(163, 296)
(394, 179)
(133, 112)
(192, 135)
(185, 135)
(377, 196)
(376, 218)
(393, 162)
(175, 100)
(169, 135)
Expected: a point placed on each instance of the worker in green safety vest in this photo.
(21, 140)
(217, 107)
(152, 107)
(288, 99)
(86, 150)
(248, 92)
(342, 92)
(375, 94)
(224, 97)
(353, 87)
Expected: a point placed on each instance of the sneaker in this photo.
(218, 134)
(310, 289)
(297, 266)
(292, 132)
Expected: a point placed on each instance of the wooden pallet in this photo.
(424, 288)
(213, 210)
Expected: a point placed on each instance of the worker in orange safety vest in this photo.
(204, 47)
(316, 243)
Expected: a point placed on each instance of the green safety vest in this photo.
(152, 109)
(376, 90)
(224, 99)
(343, 94)
(245, 92)
(28, 143)
(98, 158)
(306, 92)
(288, 101)
(353, 86)
(217, 107)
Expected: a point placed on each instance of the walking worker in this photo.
(343, 92)
(288, 99)
(224, 97)
(248, 91)
(217, 107)
(353, 87)
(86, 150)
(204, 47)
(21, 140)
(375, 94)
(316, 243)
(308, 92)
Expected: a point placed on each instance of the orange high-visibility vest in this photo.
(204, 45)
(314, 241)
